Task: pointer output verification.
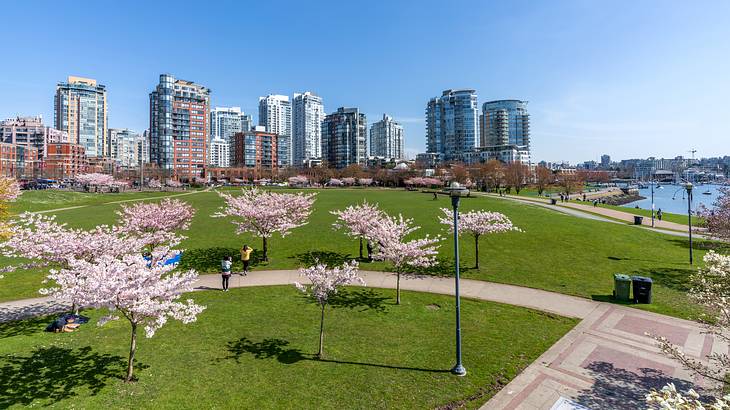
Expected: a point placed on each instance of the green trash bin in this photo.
(621, 287)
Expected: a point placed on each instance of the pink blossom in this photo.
(9, 189)
(478, 223)
(145, 295)
(348, 181)
(365, 181)
(358, 221)
(717, 219)
(146, 217)
(325, 283)
(154, 183)
(95, 179)
(173, 183)
(335, 182)
(264, 213)
(390, 234)
(298, 180)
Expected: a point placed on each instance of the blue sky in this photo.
(628, 78)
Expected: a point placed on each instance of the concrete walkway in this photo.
(605, 362)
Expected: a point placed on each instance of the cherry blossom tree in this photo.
(9, 192)
(325, 283)
(172, 183)
(264, 213)
(156, 220)
(717, 219)
(298, 180)
(390, 234)
(46, 242)
(365, 181)
(358, 221)
(349, 181)
(709, 288)
(94, 179)
(145, 294)
(154, 184)
(335, 182)
(668, 398)
(476, 224)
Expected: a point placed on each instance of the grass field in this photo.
(253, 348)
(33, 201)
(556, 252)
(669, 217)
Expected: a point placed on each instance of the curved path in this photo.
(605, 362)
(47, 211)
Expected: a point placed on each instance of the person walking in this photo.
(659, 214)
(226, 264)
(246, 258)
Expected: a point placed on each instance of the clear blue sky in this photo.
(628, 78)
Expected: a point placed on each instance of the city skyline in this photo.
(597, 79)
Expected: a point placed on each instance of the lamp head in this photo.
(457, 190)
(688, 186)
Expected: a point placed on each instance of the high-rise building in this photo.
(605, 161)
(225, 122)
(308, 113)
(452, 123)
(179, 114)
(220, 152)
(144, 147)
(275, 115)
(256, 149)
(123, 146)
(386, 138)
(505, 122)
(343, 137)
(80, 108)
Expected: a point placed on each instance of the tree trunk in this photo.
(266, 250)
(476, 248)
(361, 247)
(320, 354)
(397, 288)
(132, 351)
(370, 251)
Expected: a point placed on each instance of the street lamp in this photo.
(689, 187)
(456, 191)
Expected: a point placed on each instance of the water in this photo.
(673, 198)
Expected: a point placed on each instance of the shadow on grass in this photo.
(329, 258)
(55, 373)
(278, 349)
(208, 260)
(672, 278)
(25, 327)
(360, 299)
(701, 244)
(617, 388)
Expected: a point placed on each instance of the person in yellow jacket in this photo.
(246, 257)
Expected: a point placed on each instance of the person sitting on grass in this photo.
(246, 258)
(226, 264)
(63, 325)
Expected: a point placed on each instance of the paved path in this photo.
(605, 362)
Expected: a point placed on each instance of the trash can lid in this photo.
(622, 277)
(641, 279)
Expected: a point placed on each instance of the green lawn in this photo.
(253, 348)
(556, 252)
(43, 200)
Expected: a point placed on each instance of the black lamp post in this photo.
(689, 187)
(456, 191)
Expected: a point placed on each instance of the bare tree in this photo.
(544, 177)
(515, 176)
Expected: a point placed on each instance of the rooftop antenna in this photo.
(692, 151)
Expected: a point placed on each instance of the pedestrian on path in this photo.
(246, 258)
(226, 264)
(659, 214)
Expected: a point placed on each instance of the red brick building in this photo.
(18, 161)
(64, 161)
